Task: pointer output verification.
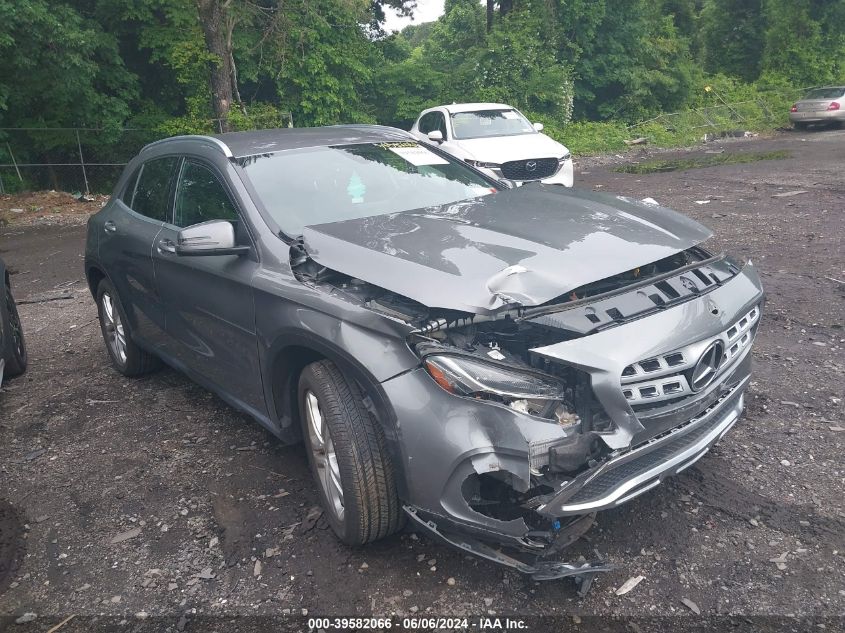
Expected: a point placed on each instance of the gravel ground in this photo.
(151, 495)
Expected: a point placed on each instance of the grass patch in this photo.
(698, 162)
(728, 105)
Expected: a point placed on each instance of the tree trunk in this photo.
(491, 5)
(505, 7)
(213, 20)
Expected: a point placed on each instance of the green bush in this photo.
(589, 137)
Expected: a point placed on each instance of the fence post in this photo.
(14, 162)
(82, 163)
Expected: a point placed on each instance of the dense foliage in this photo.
(176, 65)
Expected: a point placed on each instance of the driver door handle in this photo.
(166, 246)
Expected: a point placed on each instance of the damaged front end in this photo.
(521, 423)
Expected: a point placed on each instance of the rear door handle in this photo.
(166, 246)
(110, 227)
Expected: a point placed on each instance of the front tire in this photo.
(15, 353)
(126, 356)
(348, 455)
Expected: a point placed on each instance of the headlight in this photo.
(565, 157)
(479, 163)
(467, 377)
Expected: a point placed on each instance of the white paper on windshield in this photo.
(510, 114)
(476, 191)
(415, 154)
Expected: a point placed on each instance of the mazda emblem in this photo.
(531, 165)
(708, 364)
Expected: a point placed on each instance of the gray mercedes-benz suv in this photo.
(495, 364)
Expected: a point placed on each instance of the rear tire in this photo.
(14, 353)
(348, 455)
(126, 356)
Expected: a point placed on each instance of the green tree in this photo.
(805, 41)
(59, 68)
(518, 65)
(636, 66)
(732, 34)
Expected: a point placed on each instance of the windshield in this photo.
(318, 185)
(825, 93)
(484, 123)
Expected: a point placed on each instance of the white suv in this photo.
(497, 139)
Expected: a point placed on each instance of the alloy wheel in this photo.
(15, 323)
(323, 452)
(113, 327)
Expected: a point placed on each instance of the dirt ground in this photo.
(47, 208)
(125, 497)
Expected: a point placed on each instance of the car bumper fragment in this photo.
(541, 569)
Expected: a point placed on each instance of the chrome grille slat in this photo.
(656, 379)
(638, 372)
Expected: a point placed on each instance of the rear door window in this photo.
(152, 193)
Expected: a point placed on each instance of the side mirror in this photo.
(538, 127)
(215, 237)
(435, 136)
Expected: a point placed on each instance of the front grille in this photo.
(530, 169)
(668, 376)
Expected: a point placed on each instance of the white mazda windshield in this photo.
(318, 185)
(484, 123)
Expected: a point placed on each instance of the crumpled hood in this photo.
(500, 149)
(527, 245)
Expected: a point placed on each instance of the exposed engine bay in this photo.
(425, 319)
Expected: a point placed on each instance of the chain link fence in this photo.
(769, 110)
(66, 159)
(88, 160)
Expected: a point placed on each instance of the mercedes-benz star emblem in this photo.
(531, 165)
(705, 369)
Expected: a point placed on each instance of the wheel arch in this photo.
(94, 274)
(289, 354)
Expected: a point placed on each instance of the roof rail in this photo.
(194, 137)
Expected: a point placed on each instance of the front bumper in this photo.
(631, 474)
(448, 442)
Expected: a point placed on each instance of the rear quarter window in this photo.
(129, 189)
(152, 193)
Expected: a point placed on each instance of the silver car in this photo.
(820, 105)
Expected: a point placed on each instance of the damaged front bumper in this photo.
(634, 472)
(479, 446)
